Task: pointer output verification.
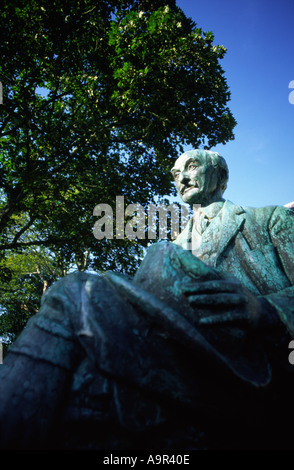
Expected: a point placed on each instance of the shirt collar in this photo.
(212, 210)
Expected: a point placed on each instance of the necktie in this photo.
(201, 223)
(204, 222)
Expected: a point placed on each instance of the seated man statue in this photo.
(191, 353)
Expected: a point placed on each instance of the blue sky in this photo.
(259, 65)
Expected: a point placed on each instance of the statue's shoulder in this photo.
(268, 212)
(259, 212)
(273, 219)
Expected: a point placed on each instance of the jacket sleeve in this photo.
(281, 229)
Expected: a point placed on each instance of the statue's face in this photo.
(196, 179)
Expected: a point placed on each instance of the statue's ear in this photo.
(222, 179)
(173, 173)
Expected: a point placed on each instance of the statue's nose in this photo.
(183, 177)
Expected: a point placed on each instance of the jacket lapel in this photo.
(232, 219)
(185, 237)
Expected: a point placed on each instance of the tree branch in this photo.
(24, 228)
(48, 242)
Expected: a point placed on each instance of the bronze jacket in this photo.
(256, 245)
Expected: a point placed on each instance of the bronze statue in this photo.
(191, 353)
(255, 245)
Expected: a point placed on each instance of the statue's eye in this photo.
(192, 167)
(176, 175)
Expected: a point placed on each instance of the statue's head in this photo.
(201, 176)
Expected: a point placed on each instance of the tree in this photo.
(98, 98)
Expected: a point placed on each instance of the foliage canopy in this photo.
(99, 97)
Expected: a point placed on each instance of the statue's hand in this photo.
(228, 301)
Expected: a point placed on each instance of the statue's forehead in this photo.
(188, 156)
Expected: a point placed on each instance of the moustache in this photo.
(187, 187)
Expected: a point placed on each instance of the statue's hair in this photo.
(217, 161)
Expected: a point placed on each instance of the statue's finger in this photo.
(224, 318)
(208, 287)
(217, 300)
